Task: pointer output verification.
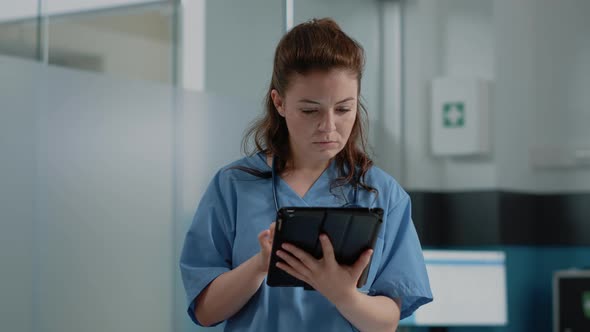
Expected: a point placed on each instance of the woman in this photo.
(312, 136)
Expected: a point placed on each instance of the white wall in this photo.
(543, 61)
(240, 39)
(514, 98)
(442, 38)
(422, 61)
(537, 56)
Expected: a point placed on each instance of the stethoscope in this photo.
(275, 195)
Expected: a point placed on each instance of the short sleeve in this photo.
(402, 272)
(207, 249)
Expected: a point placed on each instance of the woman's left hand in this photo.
(336, 282)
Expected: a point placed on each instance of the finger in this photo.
(361, 263)
(327, 248)
(291, 271)
(304, 257)
(293, 262)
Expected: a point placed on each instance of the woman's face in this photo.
(319, 109)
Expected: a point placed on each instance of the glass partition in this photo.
(101, 177)
(123, 38)
(20, 29)
(133, 41)
(18, 136)
(103, 167)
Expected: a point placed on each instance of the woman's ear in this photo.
(278, 101)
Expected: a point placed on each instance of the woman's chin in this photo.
(326, 154)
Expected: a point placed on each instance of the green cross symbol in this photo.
(586, 304)
(453, 115)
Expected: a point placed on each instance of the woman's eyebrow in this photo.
(345, 100)
(309, 101)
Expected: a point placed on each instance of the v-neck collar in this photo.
(317, 185)
(318, 192)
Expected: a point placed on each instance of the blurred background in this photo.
(114, 115)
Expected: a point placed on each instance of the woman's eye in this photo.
(343, 110)
(308, 111)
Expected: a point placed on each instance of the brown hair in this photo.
(318, 44)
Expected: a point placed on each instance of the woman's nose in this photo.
(327, 121)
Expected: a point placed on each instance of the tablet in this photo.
(351, 231)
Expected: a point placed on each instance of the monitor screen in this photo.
(469, 289)
(571, 301)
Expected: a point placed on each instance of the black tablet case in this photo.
(351, 231)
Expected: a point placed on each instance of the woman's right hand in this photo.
(265, 239)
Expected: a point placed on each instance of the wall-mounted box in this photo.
(460, 116)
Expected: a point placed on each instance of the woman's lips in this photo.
(326, 143)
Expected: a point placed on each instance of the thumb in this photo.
(263, 239)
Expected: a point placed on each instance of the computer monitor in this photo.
(571, 301)
(469, 289)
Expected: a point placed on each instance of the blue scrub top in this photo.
(237, 206)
